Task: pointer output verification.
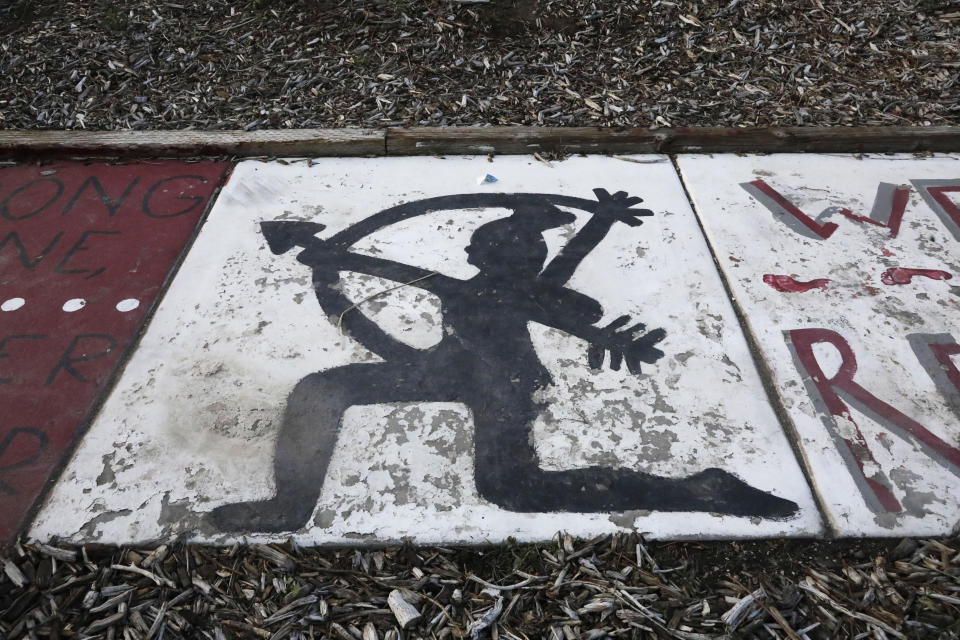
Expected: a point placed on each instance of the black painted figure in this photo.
(485, 360)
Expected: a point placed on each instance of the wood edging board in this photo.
(166, 144)
(475, 140)
(523, 140)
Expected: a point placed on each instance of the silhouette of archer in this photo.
(485, 360)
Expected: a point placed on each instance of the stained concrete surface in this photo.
(193, 423)
(846, 269)
(843, 268)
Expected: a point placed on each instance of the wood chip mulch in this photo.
(609, 587)
(251, 64)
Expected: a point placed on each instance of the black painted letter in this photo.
(196, 200)
(5, 205)
(79, 246)
(68, 358)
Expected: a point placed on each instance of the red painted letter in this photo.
(827, 391)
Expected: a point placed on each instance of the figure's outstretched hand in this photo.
(624, 347)
(617, 207)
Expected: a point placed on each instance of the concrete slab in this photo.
(84, 250)
(275, 392)
(846, 270)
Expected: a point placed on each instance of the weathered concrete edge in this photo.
(475, 140)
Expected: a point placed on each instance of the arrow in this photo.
(282, 235)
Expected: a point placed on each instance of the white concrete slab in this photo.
(865, 358)
(433, 444)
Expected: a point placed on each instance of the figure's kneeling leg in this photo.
(601, 490)
(311, 425)
(722, 492)
(507, 469)
(508, 474)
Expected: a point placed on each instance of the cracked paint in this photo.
(845, 451)
(202, 401)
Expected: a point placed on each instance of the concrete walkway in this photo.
(459, 350)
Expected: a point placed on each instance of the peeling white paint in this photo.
(874, 318)
(192, 423)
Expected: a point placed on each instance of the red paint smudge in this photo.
(732, 259)
(787, 284)
(886, 253)
(898, 275)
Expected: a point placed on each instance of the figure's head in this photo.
(514, 245)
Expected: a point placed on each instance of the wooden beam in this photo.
(474, 140)
(522, 140)
(128, 144)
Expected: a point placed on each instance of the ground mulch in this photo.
(251, 64)
(609, 587)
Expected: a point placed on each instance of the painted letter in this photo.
(79, 246)
(112, 204)
(5, 341)
(68, 358)
(827, 393)
(888, 207)
(195, 200)
(5, 204)
(934, 193)
(28, 263)
(933, 350)
(19, 447)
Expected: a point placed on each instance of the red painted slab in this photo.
(84, 251)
